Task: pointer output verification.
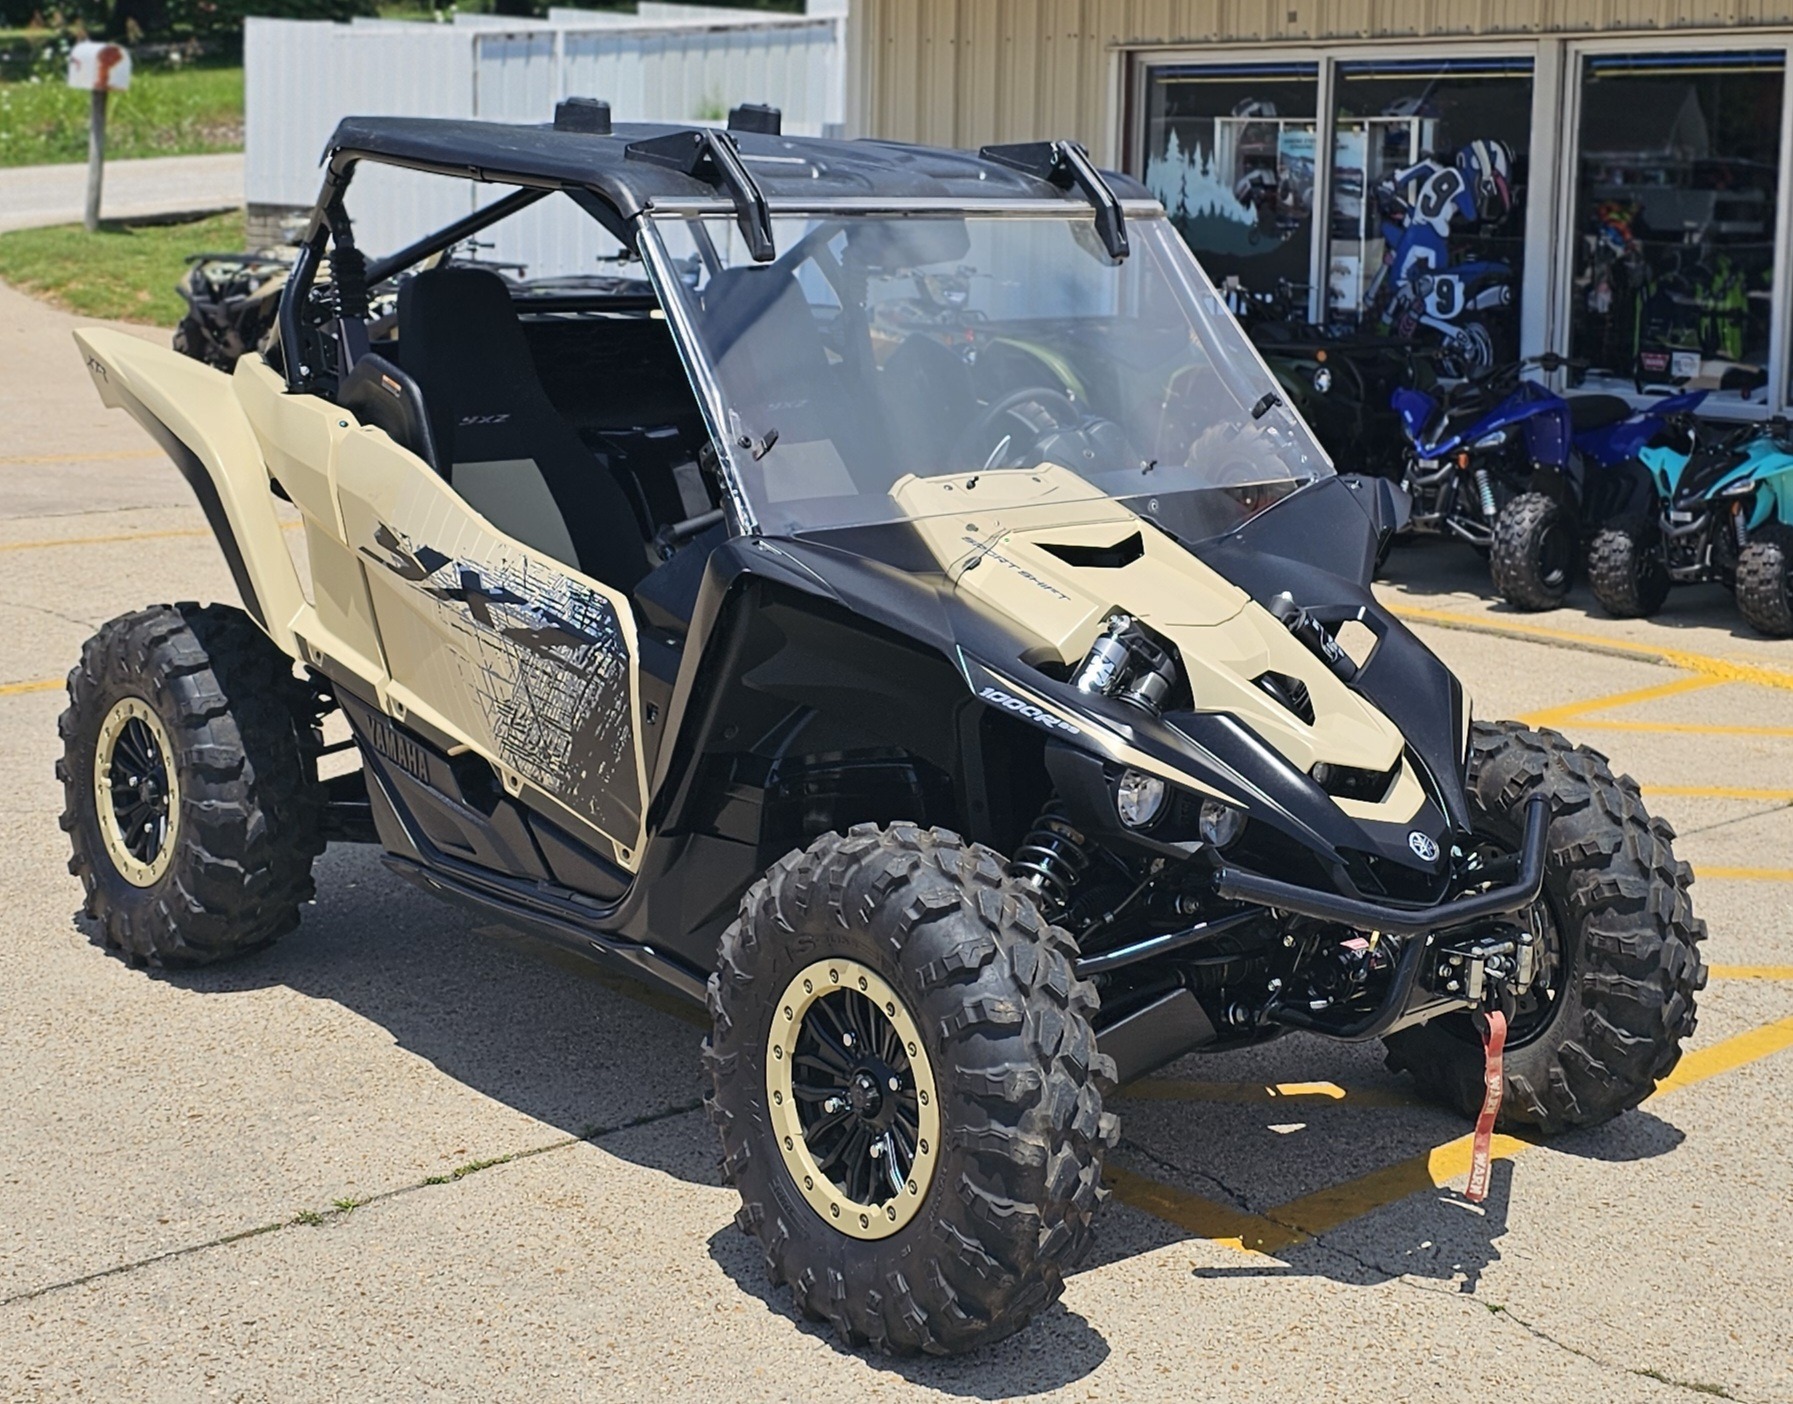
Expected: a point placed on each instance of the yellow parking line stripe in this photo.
(112, 537)
(40, 685)
(1722, 668)
(1737, 792)
(1750, 972)
(1325, 1210)
(1552, 716)
(1204, 1218)
(1746, 874)
(11, 459)
(1684, 728)
(1171, 1089)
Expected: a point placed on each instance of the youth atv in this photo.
(1521, 472)
(968, 733)
(1707, 503)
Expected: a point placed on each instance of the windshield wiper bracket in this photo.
(1067, 165)
(711, 156)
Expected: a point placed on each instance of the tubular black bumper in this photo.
(1239, 884)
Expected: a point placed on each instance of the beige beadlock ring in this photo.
(835, 1207)
(134, 870)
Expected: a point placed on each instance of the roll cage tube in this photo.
(329, 219)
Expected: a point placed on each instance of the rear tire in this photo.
(981, 992)
(1765, 580)
(1627, 959)
(1532, 557)
(189, 785)
(1627, 572)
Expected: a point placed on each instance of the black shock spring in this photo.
(1051, 859)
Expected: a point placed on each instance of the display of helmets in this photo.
(1487, 169)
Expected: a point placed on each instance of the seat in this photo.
(498, 439)
(1597, 411)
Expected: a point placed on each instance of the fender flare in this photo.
(191, 411)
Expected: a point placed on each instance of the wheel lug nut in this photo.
(894, 1084)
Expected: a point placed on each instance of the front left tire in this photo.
(907, 1088)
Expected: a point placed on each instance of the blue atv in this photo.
(1703, 503)
(1520, 472)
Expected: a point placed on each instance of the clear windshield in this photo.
(876, 350)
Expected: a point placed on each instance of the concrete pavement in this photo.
(405, 1154)
(31, 196)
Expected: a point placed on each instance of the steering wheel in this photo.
(1052, 401)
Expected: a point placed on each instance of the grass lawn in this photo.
(126, 272)
(166, 112)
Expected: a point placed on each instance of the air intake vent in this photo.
(1350, 782)
(1290, 692)
(1122, 553)
(756, 117)
(590, 116)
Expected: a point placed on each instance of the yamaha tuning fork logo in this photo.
(1423, 846)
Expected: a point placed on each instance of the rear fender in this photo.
(191, 410)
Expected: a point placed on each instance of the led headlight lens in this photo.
(1220, 823)
(1139, 798)
(1323, 380)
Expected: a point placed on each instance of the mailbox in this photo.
(99, 68)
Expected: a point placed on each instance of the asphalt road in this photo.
(31, 196)
(405, 1156)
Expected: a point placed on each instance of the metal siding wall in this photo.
(964, 72)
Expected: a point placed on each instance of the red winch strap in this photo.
(1494, 1042)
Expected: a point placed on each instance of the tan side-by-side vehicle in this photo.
(889, 602)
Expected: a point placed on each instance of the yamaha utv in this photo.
(893, 606)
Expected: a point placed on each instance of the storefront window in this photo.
(1427, 226)
(1230, 153)
(1678, 159)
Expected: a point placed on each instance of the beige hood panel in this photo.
(995, 541)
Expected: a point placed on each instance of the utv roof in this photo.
(791, 172)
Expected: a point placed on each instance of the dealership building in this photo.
(1641, 225)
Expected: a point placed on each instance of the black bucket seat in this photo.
(497, 437)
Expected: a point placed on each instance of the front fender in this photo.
(191, 410)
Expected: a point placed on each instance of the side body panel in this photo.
(497, 647)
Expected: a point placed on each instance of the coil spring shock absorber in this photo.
(1484, 487)
(1051, 859)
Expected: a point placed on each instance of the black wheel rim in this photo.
(138, 770)
(857, 1099)
(1555, 555)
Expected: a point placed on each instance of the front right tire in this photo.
(1765, 580)
(907, 1088)
(1532, 556)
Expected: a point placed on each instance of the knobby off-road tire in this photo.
(1626, 944)
(1765, 580)
(212, 704)
(1532, 557)
(1626, 571)
(1005, 1032)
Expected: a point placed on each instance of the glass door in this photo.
(1675, 218)
(1229, 150)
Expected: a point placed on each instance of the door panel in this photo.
(496, 644)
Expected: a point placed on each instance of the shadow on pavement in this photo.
(1424, 567)
(546, 1033)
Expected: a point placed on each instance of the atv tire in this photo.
(1765, 580)
(968, 970)
(1626, 961)
(1532, 556)
(1627, 572)
(189, 785)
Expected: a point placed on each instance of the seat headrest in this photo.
(459, 337)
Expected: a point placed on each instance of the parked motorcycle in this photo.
(1517, 470)
(1704, 504)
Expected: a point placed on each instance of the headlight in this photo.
(1139, 798)
(1745, 488)
(1494, 440)
(1323, 380)
(1220, 823)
